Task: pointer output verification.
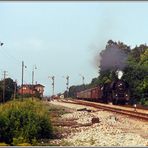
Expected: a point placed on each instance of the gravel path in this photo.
(112, 130)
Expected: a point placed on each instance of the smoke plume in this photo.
(112, 58)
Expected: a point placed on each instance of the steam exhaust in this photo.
(119, 74)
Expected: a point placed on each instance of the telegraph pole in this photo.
(32, 77)
(1, 44)
(32, 82)
(34, 67)
(22, 77)
(23, 66)
(15, 85)
(4, 86)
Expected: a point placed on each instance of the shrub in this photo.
(3, 144)
(24, 144)
(24, 122)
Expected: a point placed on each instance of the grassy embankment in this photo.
(27, 122)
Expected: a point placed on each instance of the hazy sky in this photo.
(63, 38)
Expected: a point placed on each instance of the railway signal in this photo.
(53, 79)
(23, 66)
(34, 67)
(82, 78)
(67, 84)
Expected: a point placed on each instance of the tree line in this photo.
(132, 61)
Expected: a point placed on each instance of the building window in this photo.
(24, 88)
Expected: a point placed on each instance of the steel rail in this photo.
(134, 114)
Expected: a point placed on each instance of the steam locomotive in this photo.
(116, 92)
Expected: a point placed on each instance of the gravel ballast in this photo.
(112, 130)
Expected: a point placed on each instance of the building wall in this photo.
(40, 89)
(28, 90)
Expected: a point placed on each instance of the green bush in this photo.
(24, 144)
(3, 144)
(24, 122)
(146, 103)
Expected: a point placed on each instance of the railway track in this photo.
(117, 109)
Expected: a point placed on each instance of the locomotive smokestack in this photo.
(120, 74)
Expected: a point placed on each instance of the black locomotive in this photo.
(116, 92)
(120, 92)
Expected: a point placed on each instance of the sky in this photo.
(64, 38)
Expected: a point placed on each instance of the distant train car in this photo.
(92, 94)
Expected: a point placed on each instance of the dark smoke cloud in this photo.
(107, 29)
(112, 58)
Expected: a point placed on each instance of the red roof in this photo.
(39, 85)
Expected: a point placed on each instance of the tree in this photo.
(9, 89)
(137, 71)
(137, 52)
(144, 58)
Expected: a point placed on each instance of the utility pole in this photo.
(34, 67)
(1, 44)
(53, 79)
(32, 77)
(23, 76)
(32, 83)
(4, 86)
(15, 86)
